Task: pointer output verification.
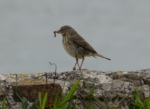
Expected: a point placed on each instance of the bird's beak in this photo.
(58, 32)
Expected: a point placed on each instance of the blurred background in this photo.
(117, 29)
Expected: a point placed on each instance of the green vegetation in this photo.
(63, 103)
(137, 103)
(42, 102)
(24, 101)
(3, 105)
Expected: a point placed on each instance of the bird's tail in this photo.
(101, 56)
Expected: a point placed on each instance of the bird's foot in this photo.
(74, 68)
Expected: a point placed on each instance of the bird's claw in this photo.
(74, 68)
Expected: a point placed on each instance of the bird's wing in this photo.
(77, 39)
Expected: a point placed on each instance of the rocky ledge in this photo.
(114, 88)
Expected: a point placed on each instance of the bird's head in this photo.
(65, 30)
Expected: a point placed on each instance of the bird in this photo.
(76, 46)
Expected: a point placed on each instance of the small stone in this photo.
(2, 77)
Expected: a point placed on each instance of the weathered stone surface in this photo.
(128, 77)
(30, 91)
(112, 88)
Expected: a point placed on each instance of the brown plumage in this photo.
(75, 45)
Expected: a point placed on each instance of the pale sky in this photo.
(117, 29)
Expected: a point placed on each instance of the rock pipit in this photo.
(76, 46)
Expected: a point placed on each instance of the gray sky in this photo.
(117, 29)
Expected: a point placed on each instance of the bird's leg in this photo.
(74, 68)
(81, 63)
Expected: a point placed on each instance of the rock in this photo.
(128, 77)
(2, 77)
(112, 88)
